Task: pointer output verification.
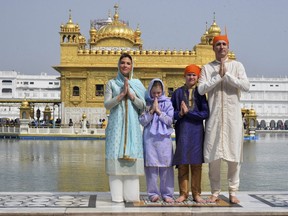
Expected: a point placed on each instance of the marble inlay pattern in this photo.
(47, 200)
(273, 200)
(145, 202)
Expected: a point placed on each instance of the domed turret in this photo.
(70, 32)
(252, 112)
(204, 36)
(214, 29)
(47, 108)
(117, 33)
(116, 29)
(25, 104)
(70, 26)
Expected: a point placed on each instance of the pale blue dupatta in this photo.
(128, 145)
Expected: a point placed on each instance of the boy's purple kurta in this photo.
(189, 129)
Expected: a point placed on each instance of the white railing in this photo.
(9, 130)
(46, 130)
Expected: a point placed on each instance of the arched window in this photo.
(76, 91)
(24, 115)
(272, 124)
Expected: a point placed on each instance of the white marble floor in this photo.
(99, 203)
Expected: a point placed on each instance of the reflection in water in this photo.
(265, 166)
(79, 165)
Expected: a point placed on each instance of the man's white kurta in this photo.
(224, 128)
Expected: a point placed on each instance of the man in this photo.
(222, 80)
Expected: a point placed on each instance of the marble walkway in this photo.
(99, 203)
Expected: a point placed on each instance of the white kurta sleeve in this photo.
(239, 80)
(207, 81)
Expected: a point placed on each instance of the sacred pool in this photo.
(79, 165)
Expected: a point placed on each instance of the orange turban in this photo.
(220, 37)
(192, 69)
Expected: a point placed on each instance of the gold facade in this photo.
(85, 67)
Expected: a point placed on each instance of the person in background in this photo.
(103, 124)
(158, 147)
(70, 123)
(223, 79)
(190, 110)
(124, 97)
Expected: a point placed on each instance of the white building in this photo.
(269, 98)
(15, 87)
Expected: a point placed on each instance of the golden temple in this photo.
(86, 65)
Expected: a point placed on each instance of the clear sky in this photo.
(257, 29)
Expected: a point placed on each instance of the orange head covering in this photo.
(192, 69)
(220, 37)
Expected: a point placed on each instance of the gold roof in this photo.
(116, 28)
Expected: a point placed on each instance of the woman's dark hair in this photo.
(125, 55)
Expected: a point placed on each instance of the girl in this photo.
(158, 151)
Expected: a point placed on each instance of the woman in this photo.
(124, 97)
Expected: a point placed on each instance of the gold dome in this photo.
(204, 36)
(138, 32)
(24, 104)
(47, 108)
(252, 112)
(93, 30)
(116, 29)
(70, 24)
(84, 116)
(214, 29)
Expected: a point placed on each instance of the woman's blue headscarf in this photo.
(135, 84)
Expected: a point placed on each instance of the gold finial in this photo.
(84, 116)
(70, 16)
(116, 15)
(214, 16)
(116, 6)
